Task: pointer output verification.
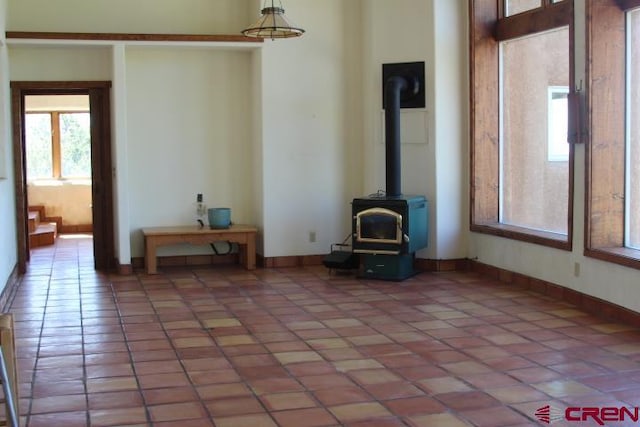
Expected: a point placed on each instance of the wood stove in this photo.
(388, 228)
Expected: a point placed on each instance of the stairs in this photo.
(42, 229)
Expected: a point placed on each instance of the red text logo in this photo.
(602, 415)
(577, 414)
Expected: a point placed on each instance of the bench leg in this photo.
(150, 259)
(250, 252)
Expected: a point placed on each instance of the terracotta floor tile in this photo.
(318, 382)
(234, 406)
(158, 396)
(118, 417)
(285, 401)
(116, 399)
(394, 390)
(59, 419)
(112, 370)
(205, 346)
(311, 417)
(341, 395)
(275, 385)
(415, 406)
(101, 385)
(563, 388)
(359, 411)
(71, 403)
(465, 400)
(517, 394)
(373, 376)
(203, 422)
(440, 420)
(495, 417)
(173, 379)
(221, 391)
(440, 385)
(177, 411)
(355, 364)
(254, 420)
(297, 357)
(61, 388)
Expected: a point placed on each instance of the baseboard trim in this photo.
(289, 261)
(124, 269)
(593, 305)
(72, 229)
(461, 264)
(313, 260)
(187, 260)
(9, 290)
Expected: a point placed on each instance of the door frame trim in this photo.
(101, 164)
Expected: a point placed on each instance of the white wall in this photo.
(189, 128)
(8, 248)
(311, 129)
(434, 166)
(52, 63)
(124, 16)
(451, 116)
(69, 200)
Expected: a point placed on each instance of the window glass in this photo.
(513, 7)
(632, 197)
(534, 192)
(38, 146)
(75, 144)
(558, 119)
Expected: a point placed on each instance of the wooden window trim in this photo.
(628, 4)
(55, 144)
(485, 125)
(547, 17)
(605, 179)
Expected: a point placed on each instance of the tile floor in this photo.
(298, 347)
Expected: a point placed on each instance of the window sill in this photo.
(59, 182)
(623, 256)
(544, 238)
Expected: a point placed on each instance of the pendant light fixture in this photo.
(273, 24)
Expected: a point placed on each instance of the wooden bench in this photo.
(243, 235)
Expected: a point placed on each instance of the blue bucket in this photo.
(219, 217)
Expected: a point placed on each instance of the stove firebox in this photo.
(388, 232)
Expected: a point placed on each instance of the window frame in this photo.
(606, 149)
(488, 27)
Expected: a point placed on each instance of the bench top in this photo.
(195, 230)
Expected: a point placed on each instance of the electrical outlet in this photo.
(312, 236)
(576, 269)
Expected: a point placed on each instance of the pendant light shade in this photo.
(273, 25)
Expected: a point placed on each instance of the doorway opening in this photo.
(62, 154)
(58, 166)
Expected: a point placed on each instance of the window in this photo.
(58, 145)
(513, 7)
(534, 192)
(613, 152)
(39, 146)
(632, 196)
(521, 163)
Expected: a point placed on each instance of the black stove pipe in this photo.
(393, 88)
